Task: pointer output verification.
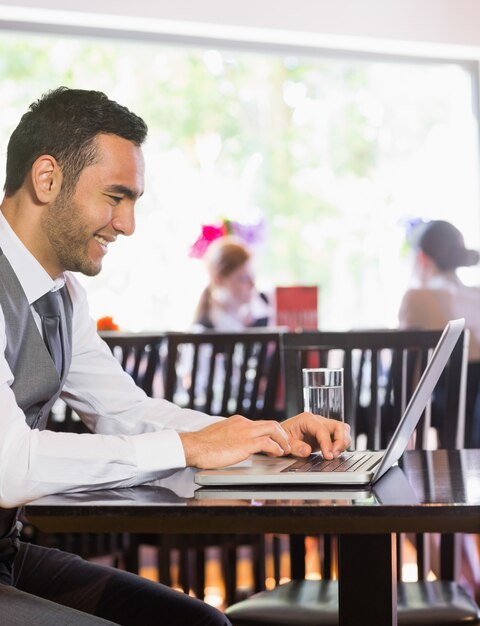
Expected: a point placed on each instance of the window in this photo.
(332, 154)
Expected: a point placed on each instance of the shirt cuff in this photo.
(159, 451)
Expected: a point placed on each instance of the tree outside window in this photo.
(331, 155)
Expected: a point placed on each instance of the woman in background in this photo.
(230, 302)
(439, 295)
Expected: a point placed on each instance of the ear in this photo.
(217, 281)
(46, 178)
(425, 260)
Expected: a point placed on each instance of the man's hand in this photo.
(234, 439)
(308, 432)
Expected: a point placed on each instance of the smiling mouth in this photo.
(103, 242)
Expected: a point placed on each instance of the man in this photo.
(74, 173)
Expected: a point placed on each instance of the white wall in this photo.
(452, 22)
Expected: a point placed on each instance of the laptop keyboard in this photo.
(346, 462)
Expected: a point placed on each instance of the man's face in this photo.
(80, 225)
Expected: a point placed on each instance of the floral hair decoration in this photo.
(251, 234)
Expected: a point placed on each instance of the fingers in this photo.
(301, 448)
(341, 437)
(268, 446)
(335, 440)
(270, 436)
(232, 440)
(308, 432)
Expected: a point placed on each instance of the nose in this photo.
(123, 220)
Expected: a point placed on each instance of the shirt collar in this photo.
(34, 279)
(443, 281)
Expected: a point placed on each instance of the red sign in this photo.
(297, 307)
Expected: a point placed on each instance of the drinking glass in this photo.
(323, 391)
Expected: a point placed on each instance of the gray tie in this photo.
(48, 307)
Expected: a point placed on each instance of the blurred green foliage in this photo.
(306, 139)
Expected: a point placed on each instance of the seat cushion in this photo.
(315, 603)
(297, 603)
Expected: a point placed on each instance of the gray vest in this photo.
(36, 383)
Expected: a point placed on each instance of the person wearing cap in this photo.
(438, 295)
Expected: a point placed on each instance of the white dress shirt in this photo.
(135, 438)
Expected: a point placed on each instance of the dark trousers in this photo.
(51, 587)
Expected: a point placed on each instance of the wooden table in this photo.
(430, 491)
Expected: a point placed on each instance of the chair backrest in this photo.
(381, 369)
(224, 373)
(138, 354)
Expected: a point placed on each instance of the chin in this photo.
(88, 269)
(93, 270)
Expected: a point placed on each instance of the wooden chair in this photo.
(221, 374)
(381, 368)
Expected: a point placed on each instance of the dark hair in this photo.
(444, 244)
(64, 123)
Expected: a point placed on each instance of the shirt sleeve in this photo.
(135, 437)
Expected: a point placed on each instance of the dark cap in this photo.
(444, 244)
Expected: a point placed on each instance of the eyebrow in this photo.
(122, 189)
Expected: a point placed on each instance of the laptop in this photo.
(393, 488)
(340, 495)
(352, 467)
